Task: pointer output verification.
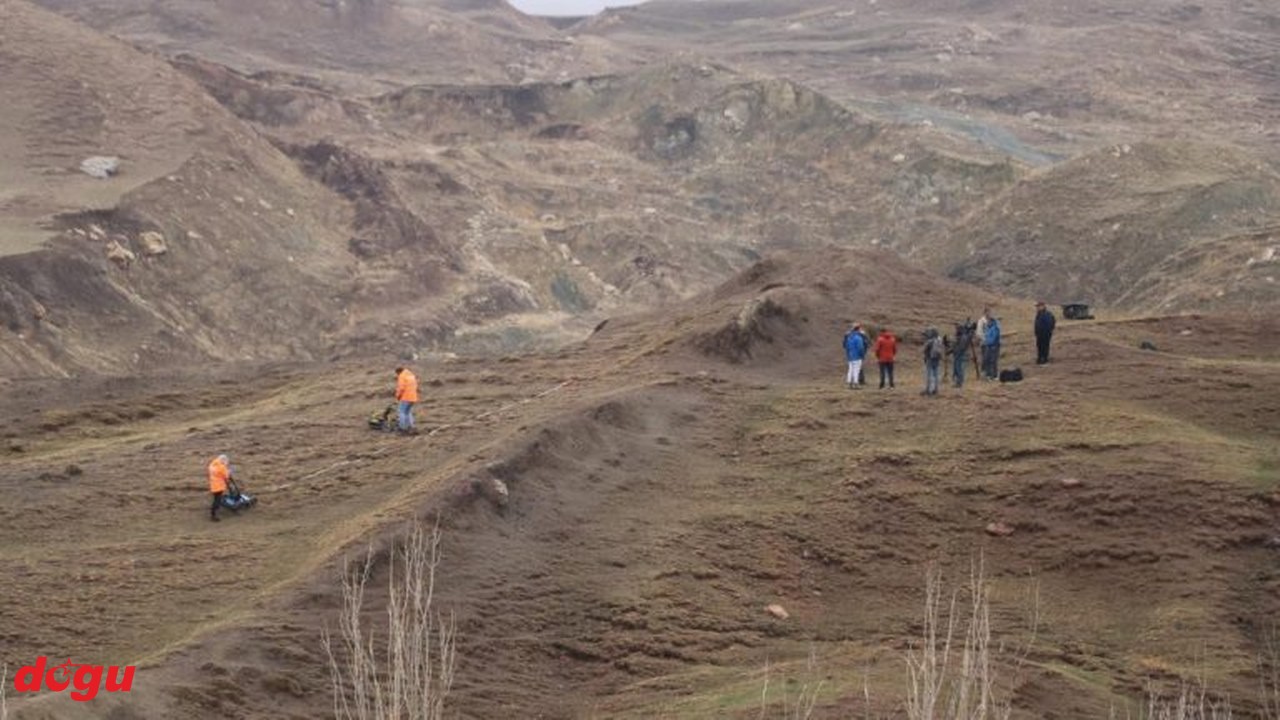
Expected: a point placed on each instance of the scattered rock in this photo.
(778, 611)
(999, 529)
(1070, 482)
(1147, 345)
(1184, 332)
(193, 235)
(152, 243)
(100, 166)
(492, 489)
(119, 254)
(38, 311)
(899, 158)
(97, 233)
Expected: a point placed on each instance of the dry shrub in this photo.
(797, 706)
(1191, 703)
(410, 679)
(951, 671)
(1269, 672)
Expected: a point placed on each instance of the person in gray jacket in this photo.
(934, 350)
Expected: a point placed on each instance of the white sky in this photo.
(567, 7)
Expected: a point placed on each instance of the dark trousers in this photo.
(217, 503)
(886, 371)
(990, 361)
(1042, 347)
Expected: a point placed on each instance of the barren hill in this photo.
(660, 493)
(1036, 79)
(1149, 227)
(496, 216)
(231, 221)
(362, 44)
(573, 201)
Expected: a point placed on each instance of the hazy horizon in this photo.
(571, 8)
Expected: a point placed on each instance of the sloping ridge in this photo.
(361, 44)
(1149, 227)
(208, 244)
(789, 312)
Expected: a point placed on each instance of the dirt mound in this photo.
(792, 310)
(1148, 229)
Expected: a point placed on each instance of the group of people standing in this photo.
(979, 341)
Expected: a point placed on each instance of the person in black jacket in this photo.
(1044, 332)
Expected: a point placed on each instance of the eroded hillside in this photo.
(660, 490)
(1036, 79)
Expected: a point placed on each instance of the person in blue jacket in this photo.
(855, 349)
(991, 348)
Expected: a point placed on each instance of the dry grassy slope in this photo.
(252, 265)
(366, 44)
(69, 94)
(1023, 76)
(660, 498)
(1153, 227)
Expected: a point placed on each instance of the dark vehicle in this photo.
(1076, 311)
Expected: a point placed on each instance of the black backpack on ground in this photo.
(1011, 375)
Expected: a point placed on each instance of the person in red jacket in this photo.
(885, 349)
(407, 396)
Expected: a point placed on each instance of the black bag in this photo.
(1013, 375)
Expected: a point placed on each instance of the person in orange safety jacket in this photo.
(407, 397)
(219, 474)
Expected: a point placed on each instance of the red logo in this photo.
(85, 679)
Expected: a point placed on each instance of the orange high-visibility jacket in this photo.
(218, 474)
(407, 387)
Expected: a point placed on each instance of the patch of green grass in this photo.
(1093, 679)
(1266, 474)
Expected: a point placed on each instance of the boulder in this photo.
(100, 166)
(492, 489)
(119, 254)
(152, 243)
(999, 529)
